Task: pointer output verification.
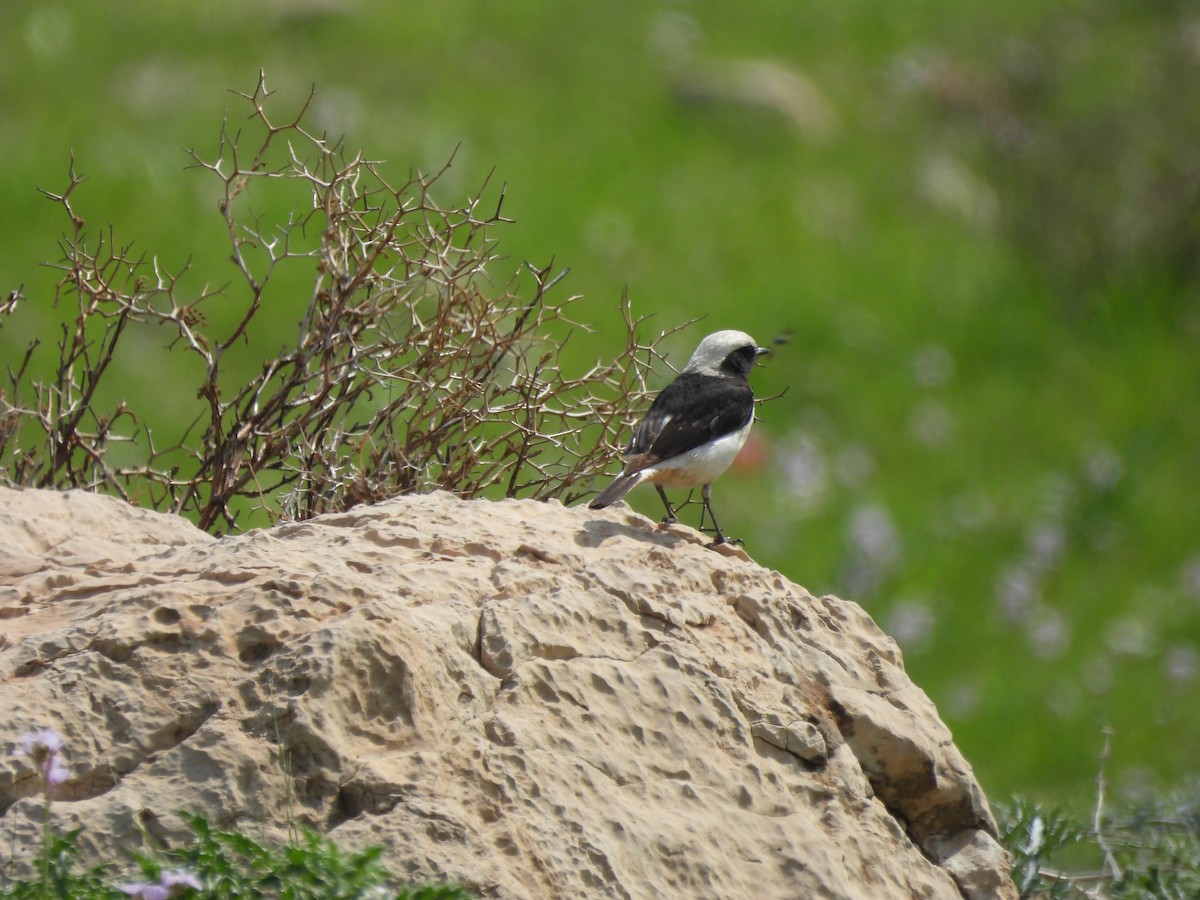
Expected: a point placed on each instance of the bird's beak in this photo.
(761, 351)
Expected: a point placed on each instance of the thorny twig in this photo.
(410, 371)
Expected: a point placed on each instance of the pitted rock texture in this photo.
(530, 700)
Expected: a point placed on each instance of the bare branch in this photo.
(411, 371)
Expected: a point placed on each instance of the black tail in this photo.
(621, 486)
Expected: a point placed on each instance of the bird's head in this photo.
(725, 353)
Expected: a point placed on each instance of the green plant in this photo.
(233, 865)
(1147, 849)
(59, 878)
(1035, 835)
(227, 865)
(215, 864)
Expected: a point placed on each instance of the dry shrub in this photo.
(411, 371)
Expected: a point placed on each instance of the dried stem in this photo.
(1110, 861)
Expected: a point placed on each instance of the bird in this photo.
(695, 426)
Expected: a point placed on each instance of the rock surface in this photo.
(530, 700)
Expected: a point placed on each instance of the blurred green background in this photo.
(978, 220)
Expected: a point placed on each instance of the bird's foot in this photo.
(667, 520)
(722, 539)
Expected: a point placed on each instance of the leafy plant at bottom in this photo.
(232, 865)
(59, 878)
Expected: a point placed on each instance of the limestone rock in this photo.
(530, 700)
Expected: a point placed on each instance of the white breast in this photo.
(700, 466)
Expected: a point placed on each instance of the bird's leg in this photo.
(706, 495)
(670, 519)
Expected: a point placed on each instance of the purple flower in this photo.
(43, 748)
(54, 771)
(38, 743)
(144, 890)
(171, 883)
(179, 878)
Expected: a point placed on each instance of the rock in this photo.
(801, 739)
(530, 700)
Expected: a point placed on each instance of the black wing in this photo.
(692, 410)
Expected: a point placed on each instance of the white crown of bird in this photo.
(713, 349)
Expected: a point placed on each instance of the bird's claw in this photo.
(721, 539)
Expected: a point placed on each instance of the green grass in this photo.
(1069, 314)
